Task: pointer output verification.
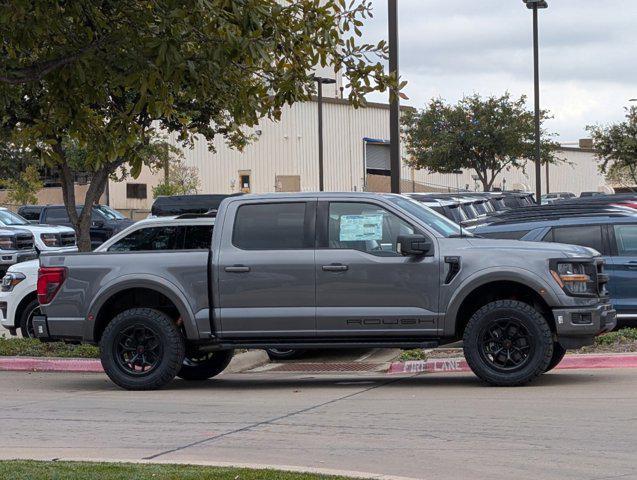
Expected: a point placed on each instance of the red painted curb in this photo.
(570, 362)
(31, 364)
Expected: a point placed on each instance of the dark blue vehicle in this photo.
(613, 234)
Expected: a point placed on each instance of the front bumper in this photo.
(8, 258)
(578, 326)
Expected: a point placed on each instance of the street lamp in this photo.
(535, 5)
(320, 81)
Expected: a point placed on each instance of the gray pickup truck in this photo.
(326, 270)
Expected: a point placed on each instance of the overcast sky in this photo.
(588, 54)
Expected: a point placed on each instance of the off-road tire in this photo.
(558, 354)
(169, 337)
(213, 365)
(539, 336)
(26, 318)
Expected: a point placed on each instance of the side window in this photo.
(198, 237)
(271, 226)
(588, 236)
(57, 214)
(150, 239)
(365, 227)
(626, 238)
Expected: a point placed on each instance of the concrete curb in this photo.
(570, 362)
(241, 362)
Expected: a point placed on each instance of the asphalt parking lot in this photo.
(568, 425)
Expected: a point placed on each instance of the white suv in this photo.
(18, 291)
(47, 238)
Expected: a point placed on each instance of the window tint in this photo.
(31, 214)
(273, 226)
(57, 214)
(149, 239)
(365, 227)
(515, 235)
(587, 236)
(626, 238)
(198, 237)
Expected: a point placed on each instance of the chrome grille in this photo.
(24, 242)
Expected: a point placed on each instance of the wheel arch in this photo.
(132, 293)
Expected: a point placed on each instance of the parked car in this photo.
(47, 238)
(31, 213)
(556, 196)
(449, 208)
(612, 233)
(16, 245)
(105, 221)
(590, 194)
(319, 270)
(18, 290)
(181, 204)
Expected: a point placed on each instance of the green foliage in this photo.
(415, 354)
(31, 347)
(625, 335)
(179, 178)
(23, 189)
(105, 76)
(616, 149)
(42, 470)
(485, 135)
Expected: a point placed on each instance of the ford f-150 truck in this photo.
(326, 270)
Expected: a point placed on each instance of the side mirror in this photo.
(415, 244)
(97, 224)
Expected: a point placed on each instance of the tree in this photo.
(23, 189)
(616, 149)
(179, 178)
(485, 135)
(107, 75)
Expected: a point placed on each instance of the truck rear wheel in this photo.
(205, 365)
(508, 343)
(142, 349)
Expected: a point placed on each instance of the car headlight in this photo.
(575, 278)
(10, 280)
(50, 239)
(6, 243)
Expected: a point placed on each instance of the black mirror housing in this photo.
(415, 244)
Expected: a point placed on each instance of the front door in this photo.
(266, 281)
(364, 286)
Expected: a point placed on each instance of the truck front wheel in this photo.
(142, 349)
(205, 365)
(508, 343)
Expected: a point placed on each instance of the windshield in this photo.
(109, 213)
(9, 218)
(436, 221)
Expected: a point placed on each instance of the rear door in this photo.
(265, 270)
(364, 287)
(622, 269)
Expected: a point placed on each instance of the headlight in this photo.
(10, 280)
(575, 278)
(50, 239)
(6, 243)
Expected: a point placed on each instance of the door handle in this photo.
(335, 267)
(237, 269)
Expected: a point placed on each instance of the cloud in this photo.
(450, 48)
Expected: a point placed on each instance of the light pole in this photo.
(535, 5)
(320, 81)
(394, 99)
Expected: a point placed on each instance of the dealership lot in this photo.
(568, 425)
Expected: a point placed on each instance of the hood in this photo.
(14, 230)
(519, 246)
(28, 268)
(44, 228)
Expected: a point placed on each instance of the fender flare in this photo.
(496, 274)
(150, 282)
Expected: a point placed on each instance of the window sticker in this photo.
(361, 227)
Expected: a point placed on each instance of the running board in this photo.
(298, 345)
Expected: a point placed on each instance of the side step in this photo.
(322, 344)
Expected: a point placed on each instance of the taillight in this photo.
(50, 279)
